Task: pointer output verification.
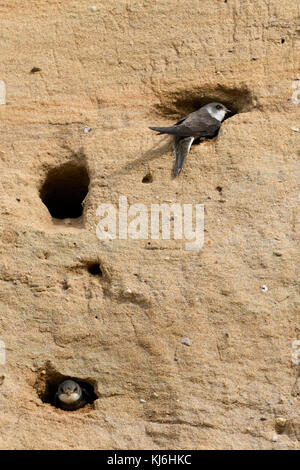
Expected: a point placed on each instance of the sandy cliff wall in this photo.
(114, 313)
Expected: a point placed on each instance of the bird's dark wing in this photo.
(162, 130)
(180, 121)
(182, 147)
(195, 124)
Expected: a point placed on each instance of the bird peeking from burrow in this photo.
(203, 123)
(71, 396)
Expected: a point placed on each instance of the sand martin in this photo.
(204, 123)
(70, 396)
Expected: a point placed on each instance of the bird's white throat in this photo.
(65, 398)
(218, 114)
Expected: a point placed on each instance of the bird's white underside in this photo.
(189, 147)
(65, 398)
(190, 144)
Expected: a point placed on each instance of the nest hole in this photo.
(35, 70)
(48, 382)
(182, 102)
(64, 190)
(95, 269)
(148, 178)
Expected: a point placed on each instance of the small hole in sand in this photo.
(147, 178)
(95, 269)
(35, 70)
(64, 190)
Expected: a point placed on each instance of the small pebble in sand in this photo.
(281, 422)
(264, 288)
(186, 341)
(87, 129)
(2, 92)
(93, 8)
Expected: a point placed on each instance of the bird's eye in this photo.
(218, 106)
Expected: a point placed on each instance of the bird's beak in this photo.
(228, 110)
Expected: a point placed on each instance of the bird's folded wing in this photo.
(182, 147)
(199, 129)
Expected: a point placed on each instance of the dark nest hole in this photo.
(95, 269)
(64, 190)
(180, 103)
(148, 178)
(35, 70)
(47, 385)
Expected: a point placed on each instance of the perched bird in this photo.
(204, 123)
(70, 396)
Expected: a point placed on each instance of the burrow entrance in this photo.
(64, 190)
(94, 269)
(49, 380)
(182, 102)
(148, 178)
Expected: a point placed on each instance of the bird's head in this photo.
(69, 391)
(217, 110)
